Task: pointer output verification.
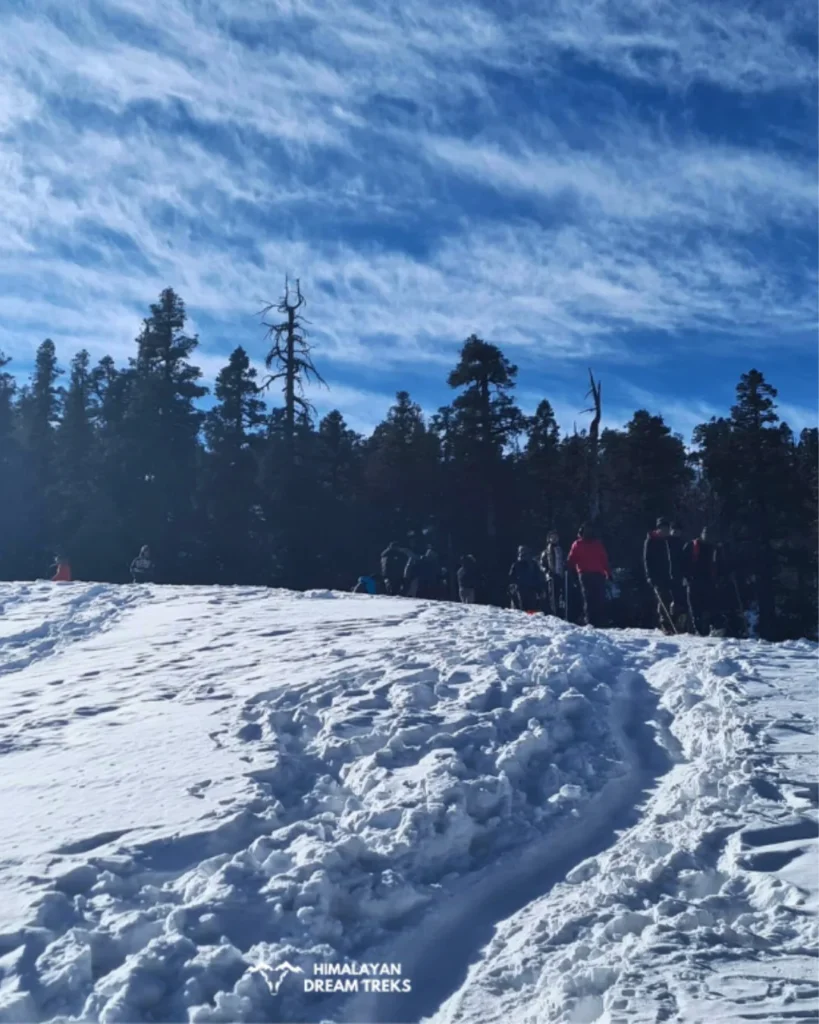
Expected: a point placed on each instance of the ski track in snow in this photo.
(541, 823)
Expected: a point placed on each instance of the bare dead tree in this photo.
(594, 393)
(289, 358)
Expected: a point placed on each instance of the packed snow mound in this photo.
(204, 785)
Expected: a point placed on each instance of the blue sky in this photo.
(624, 184)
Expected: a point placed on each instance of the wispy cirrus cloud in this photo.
(617, 182)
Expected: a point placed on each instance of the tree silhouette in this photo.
(244, 493)
(290, 360)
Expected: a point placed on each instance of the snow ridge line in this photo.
(455, 933)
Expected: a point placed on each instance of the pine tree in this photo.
(401, 469)
(645, 474)
(239, 413)
(238, 551)
(75, 436)
(540, 466)
(338, 455)
(748, 460)
(486, 422)
(161, 427)
(342, 520)
(39, 411)
(573, 473)
(77, 470)
(13, 508)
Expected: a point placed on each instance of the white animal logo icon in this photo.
(274, 976)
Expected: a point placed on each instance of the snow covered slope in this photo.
(534, 822)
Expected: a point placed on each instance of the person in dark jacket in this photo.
(467, 579)
(143, 569)
(659, 572)
(526, 582)
(589, 558)
(553, 565)
(393, 563)
(701, 580)
(429, 575)
(677, 559)
(412, 573)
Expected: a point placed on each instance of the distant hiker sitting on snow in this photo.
(366, 585)
(660, 573)
(143, 569)
(588, 557)
(62, 570)
(526, 582)
(467, 579)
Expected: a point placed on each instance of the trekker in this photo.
(62, 569)
(526, 582)
(467, 579)
(412, 571)
(366, 585)
(553, 565)
(143, 569)
(677, 561)
(393, 563)
(429, 575)
(659, 572)
(589, 558)
(701, 579)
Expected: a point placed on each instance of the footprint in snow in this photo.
(769, 860)
(788, 832)
(86, 712)
(92, 842)
(250, 732)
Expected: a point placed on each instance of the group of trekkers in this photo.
(409, 573)
(683, 576)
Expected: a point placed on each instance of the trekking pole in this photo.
(736, 591)
(743, 621)
(566, 594)
(667, 615)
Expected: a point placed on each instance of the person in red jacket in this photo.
(590, 561)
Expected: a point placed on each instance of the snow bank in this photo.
(706, 908)
(388, 750)
(200, 782)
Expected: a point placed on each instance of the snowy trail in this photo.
(438, 953)
(705, 909)
(541, 823)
